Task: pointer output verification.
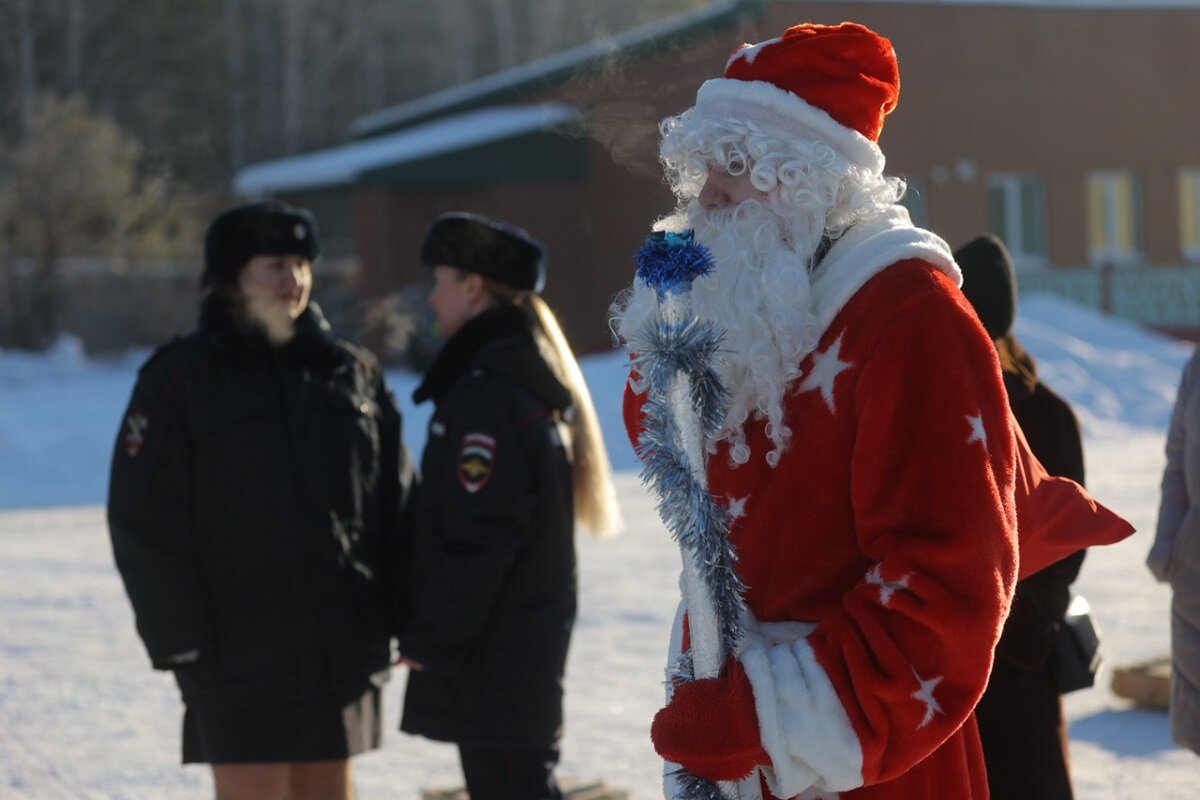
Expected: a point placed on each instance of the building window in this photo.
(915, 201)
(1017, 214)
(1114, 217)
(1189, 214)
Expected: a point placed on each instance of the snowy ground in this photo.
(83, 716)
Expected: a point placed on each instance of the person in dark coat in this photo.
(1020, 715)
(514, 457)
(255, 503)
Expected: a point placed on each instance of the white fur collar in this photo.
(867, 249)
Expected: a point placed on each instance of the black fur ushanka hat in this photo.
(496, 250)
(266, 228)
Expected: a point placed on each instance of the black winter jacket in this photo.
(494, 554)
(254, 506)
(1020, 716)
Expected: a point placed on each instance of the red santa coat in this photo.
(880, 555)
(889, 524)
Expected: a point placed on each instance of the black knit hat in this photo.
(989, 282)
(266, 228)
(496, 250)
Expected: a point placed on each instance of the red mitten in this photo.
(710, 727)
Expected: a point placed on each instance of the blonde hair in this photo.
(595, 496)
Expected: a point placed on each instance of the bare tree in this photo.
(27, 82)
(457, 39)
(295, 17)
(267, 48)
(372, 62)
(507, 46)
(73, 62)
(235, 60)
(547, 26)
(72, 188)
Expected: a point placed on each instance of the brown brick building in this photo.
(1070, 129)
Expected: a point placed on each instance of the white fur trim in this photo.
(785, 115)
(868, 248)
(804, 727)
(749, 787)
(675, 646)
(674, 650)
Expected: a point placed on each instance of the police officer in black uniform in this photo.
(255, 504)
(514, 457)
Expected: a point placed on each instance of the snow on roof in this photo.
(342, 165)
(544, 68)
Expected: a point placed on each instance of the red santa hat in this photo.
(834, 83)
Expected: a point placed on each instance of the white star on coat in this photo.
(925, 695)
(978, 434)
(825, 369)
(886, 588)
(736, 507)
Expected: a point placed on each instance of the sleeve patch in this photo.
(476, 460)
(135, 432)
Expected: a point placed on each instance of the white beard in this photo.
(758, 294)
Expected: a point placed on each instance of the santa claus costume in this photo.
(867, 460)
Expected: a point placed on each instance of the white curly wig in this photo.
(800, 172)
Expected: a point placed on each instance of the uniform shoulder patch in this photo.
(136, 424)
(476, 461)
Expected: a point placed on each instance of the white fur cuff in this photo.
(804, 728)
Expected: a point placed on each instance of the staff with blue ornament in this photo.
(685, 407)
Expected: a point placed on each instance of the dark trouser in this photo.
(515, 774)
(1024, 736)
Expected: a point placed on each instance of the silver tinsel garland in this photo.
(694, 519)
(675, 346)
